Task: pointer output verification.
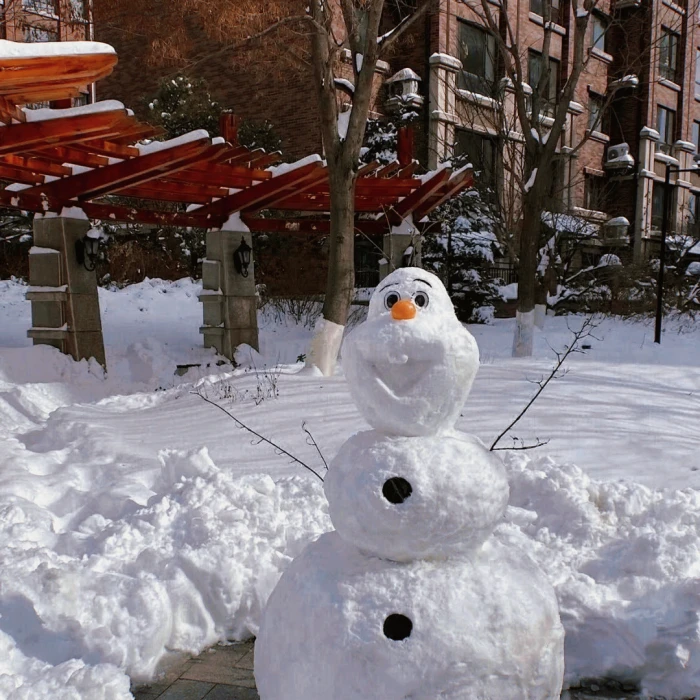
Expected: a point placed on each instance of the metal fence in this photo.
(504, 271)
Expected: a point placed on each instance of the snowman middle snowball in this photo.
(411, 365)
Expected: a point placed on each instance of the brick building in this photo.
(47, 20)
(611, 158)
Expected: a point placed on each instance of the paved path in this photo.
(226, 673)
(219, 673)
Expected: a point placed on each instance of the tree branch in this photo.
(588, 325)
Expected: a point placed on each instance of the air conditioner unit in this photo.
(619, 157)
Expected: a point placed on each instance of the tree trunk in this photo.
(527, 272)
(340, 288)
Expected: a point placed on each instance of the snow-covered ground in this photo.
(138, 522)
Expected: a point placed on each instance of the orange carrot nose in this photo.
(403, 310)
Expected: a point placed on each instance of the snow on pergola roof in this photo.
(89, 157)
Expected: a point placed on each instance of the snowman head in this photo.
(411, 365)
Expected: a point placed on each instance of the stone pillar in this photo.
(645, 188)
(65, 305)
(395, 245)
(228, 299)
(442, 107)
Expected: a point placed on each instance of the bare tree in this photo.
(317, 35)
(539, 117)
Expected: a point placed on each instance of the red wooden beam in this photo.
(302, 225)
(16, 138)
(229, 124)
(389, 170)
(367, 170)
(11, 174)
(36, 165)
(459, 181)
(67, 154)
(266, 194)
(112, 212)
(414, 200)
(105, 147)
(173, 192)
(404, 145)
(100, 181)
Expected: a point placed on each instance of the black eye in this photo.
(421, 299)
(390, 299)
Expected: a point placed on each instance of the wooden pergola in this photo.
(85, 156)
(98, 162)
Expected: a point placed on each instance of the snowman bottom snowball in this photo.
(341, 625)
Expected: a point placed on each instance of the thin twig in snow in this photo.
(585, 331)
(261, 438)
(310, 440)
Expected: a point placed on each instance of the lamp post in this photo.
(668, 191)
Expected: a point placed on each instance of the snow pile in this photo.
(625, 561)
(87, 573)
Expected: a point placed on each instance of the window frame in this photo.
(697, 72)
(487, 162)
(483, 82)
(599, 20)
(552, 97)
(599, 100)
(658, 202)
(537, 8)
(43, 8)
(667, 130)
(52, 34)
(668, 54)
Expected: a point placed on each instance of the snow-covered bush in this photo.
(184, 104)
(381, 136)
(459, 244)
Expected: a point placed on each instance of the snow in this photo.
(344, 123)
(531, 181)
(283, 168)
(48, 113)
(359, 61)
(122, 545)
(472, 620)
(155, 146)
(401, 390)
(452, 507)
(11, 49)
(39, 250)
(342, 82)
(235, 223)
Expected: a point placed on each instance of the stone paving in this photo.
(219, 673)
(225, 672)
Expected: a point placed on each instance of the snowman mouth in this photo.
(400, 379)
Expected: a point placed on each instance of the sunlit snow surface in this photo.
(136, 520)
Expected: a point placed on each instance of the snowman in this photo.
(411, 597)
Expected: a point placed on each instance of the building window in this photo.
(657, 205)
(693, 214)
(539, 7)
(77, 10)
(34, 35)
(480, 150)
(697, 73)
(550, 88)
(41, 7)
(668, 54)
(696, 136)
(595, 112)
(594, 193)
(477, 51)
(666, 126)
(599, 28)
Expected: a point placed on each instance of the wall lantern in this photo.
(241, 258)
(87, 249)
